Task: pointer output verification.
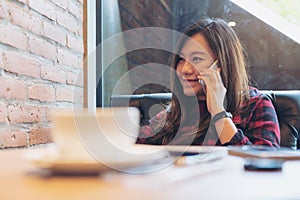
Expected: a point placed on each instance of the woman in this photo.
(212, 103)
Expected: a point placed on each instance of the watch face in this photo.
(224, 114)
(228, 114)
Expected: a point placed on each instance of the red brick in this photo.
(18, 16)
(16, 63)
(67, 21)
(13, 138)
(25, 19)
(3, 10)
(64, 94)
(44, 7)
(3, 112)
(55, 33)
(22, 1)
(40, 136)
(75, 78)
(41, 92)
(80, 29)
(61, 3)
(46, 110)
(75, 43)
(71, 78)
(42, 47)
(35, 24)
(12, 89)
(1, 60)
(78, 95)
(24, 114)
(76, 9)
(54, 74)
(66, 57)
(13, 36)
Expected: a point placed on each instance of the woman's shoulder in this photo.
(257, 96)
(258, 101)
(255, 93)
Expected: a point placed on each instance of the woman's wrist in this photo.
(216, 111)
(220, 115)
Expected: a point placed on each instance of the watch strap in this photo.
(220, 115)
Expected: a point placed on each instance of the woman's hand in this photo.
(215, 90)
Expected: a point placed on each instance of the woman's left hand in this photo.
(215, 90)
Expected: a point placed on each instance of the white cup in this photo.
(81, 135)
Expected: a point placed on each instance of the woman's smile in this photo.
(189, 82)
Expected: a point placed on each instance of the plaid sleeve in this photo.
(261, 126)
(147, 133)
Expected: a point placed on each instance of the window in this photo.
(272, 47)
(288, 9)
(272, 43)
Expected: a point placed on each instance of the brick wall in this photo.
(41, 54)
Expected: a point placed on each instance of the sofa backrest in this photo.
(286, 104)
(148, 104)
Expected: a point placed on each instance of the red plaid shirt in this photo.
(257, 125)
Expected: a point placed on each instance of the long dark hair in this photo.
(227, 48)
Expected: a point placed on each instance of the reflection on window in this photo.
(279, 14)
(289, 9)
(271, 41)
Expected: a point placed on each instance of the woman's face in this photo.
(195, 56)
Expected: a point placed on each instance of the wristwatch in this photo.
(220, 115)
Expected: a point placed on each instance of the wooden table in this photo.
(222, 179)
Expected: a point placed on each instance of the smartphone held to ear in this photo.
(214, 66)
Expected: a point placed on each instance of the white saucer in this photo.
(49, 159)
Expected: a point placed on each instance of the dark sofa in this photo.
(286, 103)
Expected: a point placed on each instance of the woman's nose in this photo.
(187, 68)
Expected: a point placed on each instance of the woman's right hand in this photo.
(215, 90)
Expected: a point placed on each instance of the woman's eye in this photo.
(196, 59)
